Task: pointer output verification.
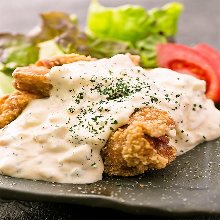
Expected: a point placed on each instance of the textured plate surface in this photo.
(190, 185)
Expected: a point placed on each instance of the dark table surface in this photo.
(200, 22)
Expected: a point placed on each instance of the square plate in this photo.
(190, 185)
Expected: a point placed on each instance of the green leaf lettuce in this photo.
(5, 84)
(127, 23)
(164, 20)
(131, 28)
(63, 30)
(16, 50)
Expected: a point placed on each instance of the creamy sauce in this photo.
(59, 139)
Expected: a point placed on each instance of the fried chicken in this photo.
(31, 83)
(64, 59)
(33, 79)
(140, 145)
(12, 105)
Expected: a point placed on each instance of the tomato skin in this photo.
(210, 54)
(188, 60)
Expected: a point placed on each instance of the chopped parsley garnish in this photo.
(114, 122)
(79, 97)
(153, 99)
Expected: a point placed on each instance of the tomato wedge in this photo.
(188, 60)
(211, 54)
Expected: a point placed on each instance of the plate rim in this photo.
(101, 201)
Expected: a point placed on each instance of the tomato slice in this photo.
(187, 60)
(211, 54)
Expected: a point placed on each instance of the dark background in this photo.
(200, 22)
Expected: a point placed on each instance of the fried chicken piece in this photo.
(12, 105)
(134, 148)
(63, 59)
(134, 58)
(141, 145)
(33, 78)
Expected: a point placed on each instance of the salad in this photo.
(110, 31)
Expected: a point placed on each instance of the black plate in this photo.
(190, 185)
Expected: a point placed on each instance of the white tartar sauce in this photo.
(59, 138)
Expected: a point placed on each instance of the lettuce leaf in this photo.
(127, 23)
(49, 49)
(147, 49)
(132, 23)
(57, 34)
(16, 50)
(73, 41)
(5, 84)
(100, 48)
(53, 24)
(131, 28)
(164, 20)
(62, 31)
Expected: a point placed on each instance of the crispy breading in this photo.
(12, 105)
(70, 58)
(33, 78)
(134, 58)
(63, 59)
(141, 145)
